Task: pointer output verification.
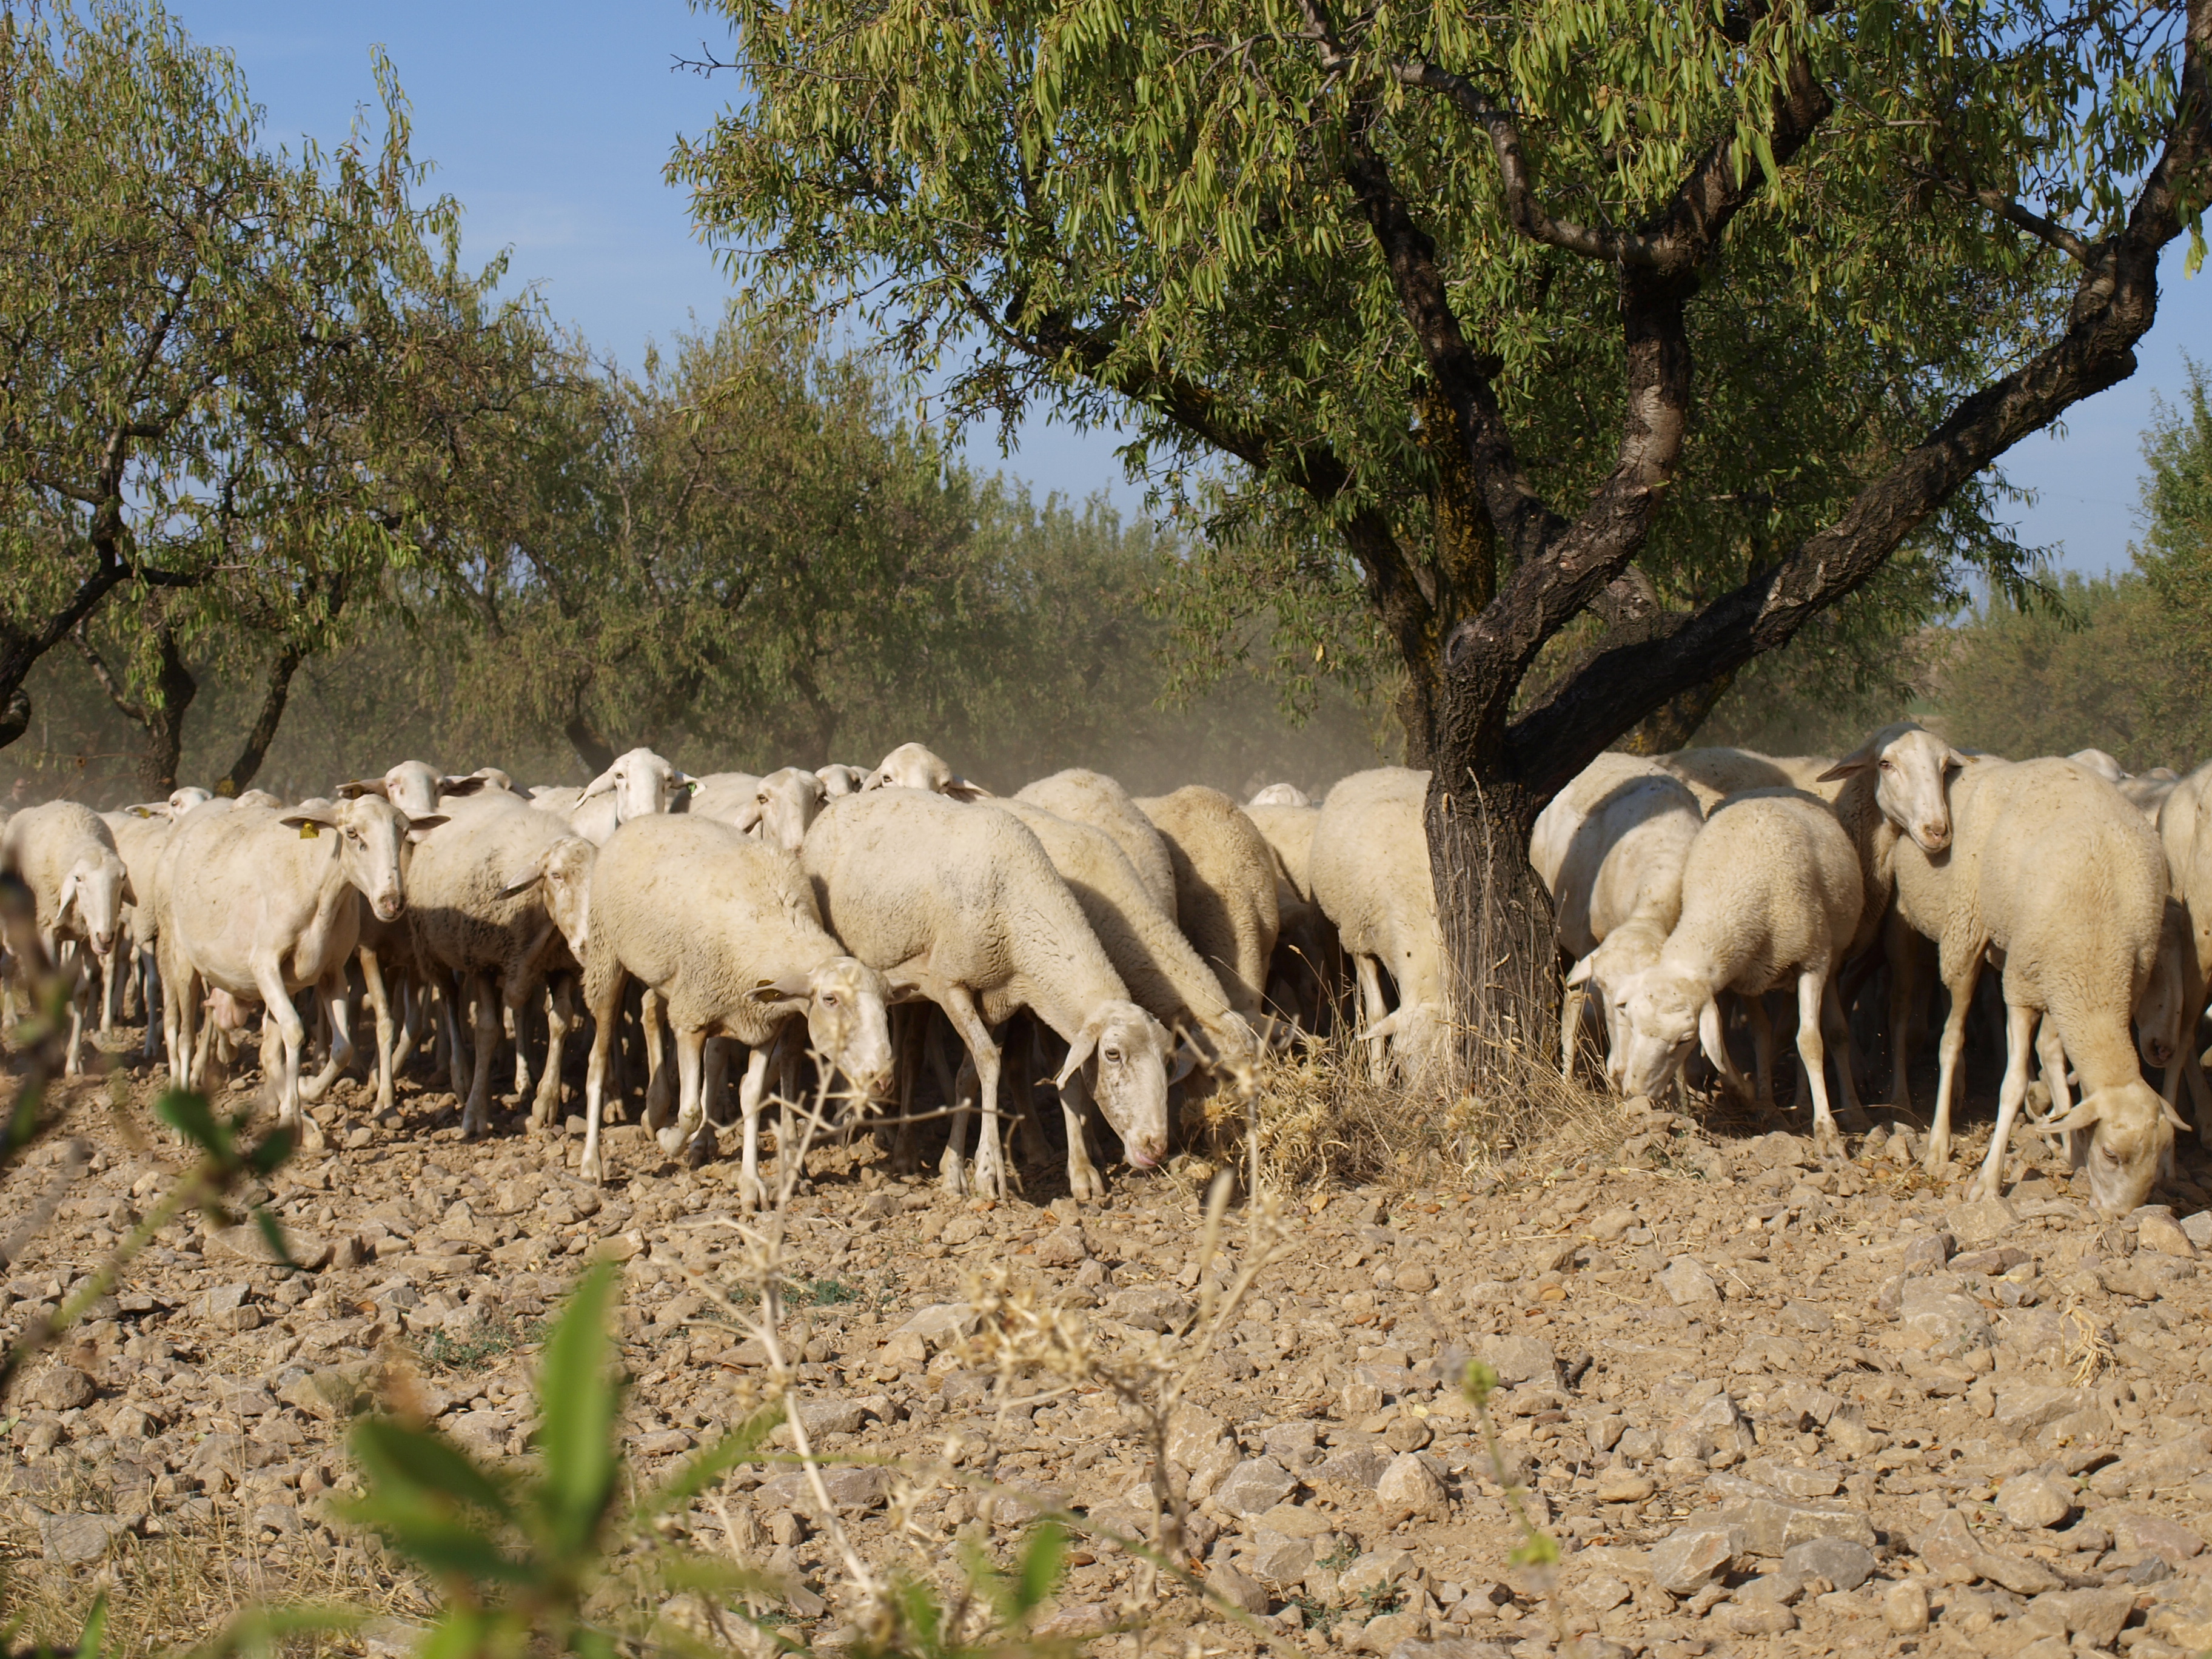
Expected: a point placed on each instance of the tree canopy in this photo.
(238, 386)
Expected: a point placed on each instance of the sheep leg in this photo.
(514, 1016)
(1084, 1182)
(157, 1010)
(2020, 1036)
(691, 1050)
(107, 992)
(560, 1020)
(1371, 1012)
(1899, 944)
(1761, 1093)
(379, 1004)
(291, 1032)
(1812, 1055)
(1571, 1023)
(449, 1024)
(989, 1177)
(2050, 1055)
(603, 994)
(1946, 1059)
(1838, 1030)
(476, 1117)
(656, 1081)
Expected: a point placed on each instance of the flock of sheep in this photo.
(813, 918)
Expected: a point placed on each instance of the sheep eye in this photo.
(829, 1001)
(1113, 1056)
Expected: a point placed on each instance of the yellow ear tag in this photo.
(308, 832)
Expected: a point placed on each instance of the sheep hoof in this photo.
(590, 1171)
(703, 1149)
(750, 1195)
(310, 1135)
(952, 1178)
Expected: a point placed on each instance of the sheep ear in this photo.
(418, 827)
(1710, 1037)
(1850, 767)
(787, 989)
(467, 786)
(2172, 1117)
(2083, 1117)
(67, 895)
(1085, 1043)
(1187, 1056)
(361, 787)
(597, 786)
(129, 894)
(323, 816)
(523, 882)
(1579, 974)
(961, 789)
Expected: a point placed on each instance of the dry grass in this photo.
(174, 1591)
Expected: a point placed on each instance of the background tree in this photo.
(1489, 295)
(234, 384)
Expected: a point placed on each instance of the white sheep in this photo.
(2148, 792)
(638, 785)
(1714, 774)
(911, 766)
(963, 906)
(66, 855)
(2097, 761)
(2052, 874)
(1609, 847)
(1093, 797)
(1307, 962)
(2185, 830)
(839, 781)
(484, 892)
(783, 804)
(726, 930)
(725, 797)
(1165, 976)
(262, 903)
(1770, 891)
(140, 833)
(1370, 863)
(1279, 794)
(1224, 876)
(418, 789)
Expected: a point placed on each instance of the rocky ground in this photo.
(1766, 1406)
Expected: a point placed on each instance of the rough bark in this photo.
(160, 714)
(1675, 722)
(15, 716)
(1501, 938)
(594, 751)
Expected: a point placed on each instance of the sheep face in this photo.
(1914, 771)
(565, 884)
(95, 891)
(412, 786)
(785, 803)
(2133, 1134)
(371, 831)
(1126, 1051)
(182, 801)
(838, 780)
(1658, 1028)
(846, 1020)
(1627, 951)
(641, 782)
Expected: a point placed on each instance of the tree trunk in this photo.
(1675, 722)
(594, 751)
(170, 697)
(15, 716)
(1500, 938)
(264, 724)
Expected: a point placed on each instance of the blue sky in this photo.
(552, 122)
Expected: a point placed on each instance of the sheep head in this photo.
(94, 891)
(1626, 951)
(911, 766)
(561, 877)
(838, 780)
(1126, 1053)
(1659, 1016)
(848, 1020)
(1913, 768)
(2132, 1132)
(371, 832)
(781, 808)
(641, 782)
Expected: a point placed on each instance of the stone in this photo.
(1295, 1520)
(1984, 1221)
(2197, 1229)
(1843, 1562)
(2175, 1464)
(940, 1324)
(1455, 1647)
(76, 1541)
(821, 1417)
(2022, 1408)
(1938, 1317)
(1791, 1481)
(484, 1432)
(1355, 1466)
(2157, 1229)
(1387, 1634)
(1192, 1434)
(392, 1638)
(852, 1490)
(1773, 1525)
(1279, 1559)
(2017, 1573)
(1800, 1405)
(1376, 1569)
(1686, 1282)
(1705, 1428)
(247, 1242)
(1904, 1608)
(1522, 1359)
(1686, 1563)
(1624, 1486)
(1409, 1486)
(1950, 1550)
(1989, 1263)
(1414, 1277)
(1063, 1247)
(63, 1389)
(1240, 1591)
(1611, 1225)
(2037, 1500)
(1599, 1595)
(2094, 1616)
(2153, 1534)
(1149, 1308)
(1929, 1252)
(1757, 1618)
(1255, 1487)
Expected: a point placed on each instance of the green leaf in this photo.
(94, 1632)
(425, 1465)
(736, 1446)
(577, 1402)
(273, 1230)
(1038, 1569)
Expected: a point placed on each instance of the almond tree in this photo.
(1484, 290)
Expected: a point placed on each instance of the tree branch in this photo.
(2049, 231)
(135, 712)
(263, 732)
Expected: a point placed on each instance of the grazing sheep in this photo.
(1369, 863)
(726, 930)
(638, 785)
(67, 857)
(484, 889)
(1609, 849)
(911, 766)
(2051, 873)
(2185, 830)
(782, 806)
(1166, 976)
(963, 906)
(140, 834)
(1224, 877)
(1307, 961)
(261, 903)
(838, 782)
(1093, 797)
(1280, 794)
(1770, 891)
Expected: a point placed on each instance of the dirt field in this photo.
(1767, 1407)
